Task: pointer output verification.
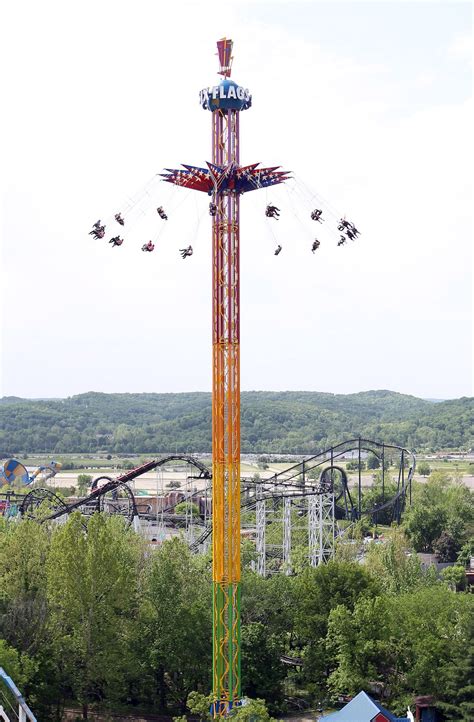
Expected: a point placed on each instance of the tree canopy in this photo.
(286, 422)
(93, 618)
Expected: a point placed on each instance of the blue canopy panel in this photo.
(217, 179)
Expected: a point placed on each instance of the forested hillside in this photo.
(280, 422)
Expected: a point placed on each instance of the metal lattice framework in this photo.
(107, 494)
(287, 535)
(225, 180)
(261, 508)
(226, 420)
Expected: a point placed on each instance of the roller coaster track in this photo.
(111, 485)
(297, 478)
(295, 482)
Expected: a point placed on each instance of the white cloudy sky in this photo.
(369, 104)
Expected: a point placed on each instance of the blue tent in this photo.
(361, 709)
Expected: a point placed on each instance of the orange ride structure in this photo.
(225, 181)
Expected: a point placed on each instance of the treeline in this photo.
(93, 620)
(278, 422)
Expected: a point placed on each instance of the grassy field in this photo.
(101, 461)
(97, 464)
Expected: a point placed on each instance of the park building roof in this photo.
(363, 709)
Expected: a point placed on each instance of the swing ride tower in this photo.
(225, 180)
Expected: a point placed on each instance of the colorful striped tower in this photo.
(225, 181)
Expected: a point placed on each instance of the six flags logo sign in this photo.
(225, 97)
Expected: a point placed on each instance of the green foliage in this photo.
(262, 671)
(373, 462)
(383, 488)
(404, 643)
(20, 667)
(354, 465)
(252, 710)
(423, 468)
(455, 577)
(83, 483)
(186, 507)
(89, 616)
(176, 623)
(446, 547)
(126, 465)
(394, 568)
(298, 422)
(467, 551)
(93, 595)
(439, 505)
(318, 591)
(24, 549)
(200, 704)
(457, 693)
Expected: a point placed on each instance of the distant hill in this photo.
(286, 422)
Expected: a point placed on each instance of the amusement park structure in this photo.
(225, 180)
(14, 472)
(308, 505)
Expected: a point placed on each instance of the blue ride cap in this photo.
(228, 95)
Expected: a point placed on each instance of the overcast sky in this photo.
(369, 104)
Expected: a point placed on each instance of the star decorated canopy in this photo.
(216, 178)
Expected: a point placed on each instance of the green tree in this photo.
(455, 577)
(252, 710)
(83, 483)
(446, 547)
(467, 551)
(383, 488)
(395, 569)
(20, 667)
(24, 615)
(457, 692)
(440, 504)
(405, 642)
(354, 465)
(176, 623)
(186, 507)
(200, 704)
(262, 671)
(373, 462)
(93, 596)
(24, 550)
(423, 468)
(318, 591)
(424, 526)
(126, 465)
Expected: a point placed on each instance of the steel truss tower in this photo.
(261, 519)
(226, 419)
(225, 181)
(321, 528)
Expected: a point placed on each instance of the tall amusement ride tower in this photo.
(225, 180)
